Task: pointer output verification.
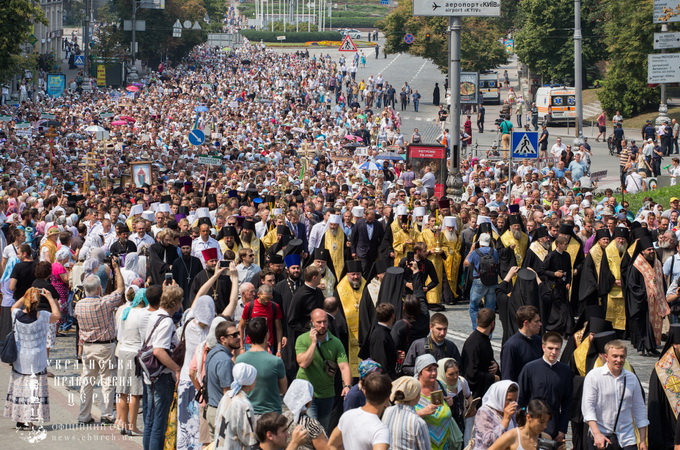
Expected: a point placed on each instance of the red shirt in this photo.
(271, 312)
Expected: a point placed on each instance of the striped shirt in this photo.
(96, 317)
(625, 155)
(407, 429)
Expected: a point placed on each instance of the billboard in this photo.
(469, 88)
(434, 156)
(56, 84)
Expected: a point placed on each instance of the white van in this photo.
(489, 86)
(556, 104)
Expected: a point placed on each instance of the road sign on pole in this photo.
(525, 144)
(196, 137)
(409, 38)
(348, 45)
(663, 68)
(468, 8)
(79, 60)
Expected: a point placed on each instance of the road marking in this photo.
(462, 337)
(419, 118)
(391, 62)
(418, 73)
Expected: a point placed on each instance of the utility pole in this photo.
(578, 73)
(454, 181)
(663, 106)
(134, 33)
(86, 36)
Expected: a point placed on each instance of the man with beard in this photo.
(646, 298)
(335, 242)
(221, 291)
(668, 256)
(557, 274)
(615, 304)
(663, 397)
(596, 278)
(328, 280)
(350, 289)
(229, 240)
(513, 245)
(434, 241)
(283, 236)
(403, 236)
(575, 251)
(185, 269)
(538, 249)
(452, 245)
(250, 240)
(306, 299)
(122, 246)
(286, 289)
(369, 299)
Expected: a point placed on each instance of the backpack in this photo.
(488, 269)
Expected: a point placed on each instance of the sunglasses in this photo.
(233, 335)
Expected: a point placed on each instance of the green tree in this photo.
(480, 46)
(629, 34)
(16, 22)
(545, 40)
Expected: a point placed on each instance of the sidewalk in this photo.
(63, 431)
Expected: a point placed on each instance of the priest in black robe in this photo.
(370, 299)
(663, 397)
(185, 269)
(287, 289)
(512, 245)
(221, 291)
(161, 256)
(596, 278)
(250, 240)
(557, 275)
(478, 365)
(306, 299)
(538, 249)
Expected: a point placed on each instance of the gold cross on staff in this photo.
(51, 133)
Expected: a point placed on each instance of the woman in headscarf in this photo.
(59, 280)
(195, 330)
(162, 254)
(497, 414)
(298, 398)
(197, 372)
(103, 271)
(130, 271)
(233, 422)
(31, 325)
(407, 430)
(444, 432)
(457, 394)
(129, 388)
(91, 242)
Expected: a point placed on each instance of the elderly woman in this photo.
(102, 270)
(497, 413)
(194, 332)
(27, 400)
(444, 432)
(59, 280)
(407, 429)
(298, 398)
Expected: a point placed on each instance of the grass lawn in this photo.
(590, 96)
(661, 196)
(638, 121)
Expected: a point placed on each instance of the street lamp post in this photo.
(454, 181)
(578, 73)
(663, 106)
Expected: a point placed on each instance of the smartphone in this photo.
(168, 276)
(437, 397)
(224, 263)
(410, 256)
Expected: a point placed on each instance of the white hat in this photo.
(482, 219)
(588, 193)
(450, 221)
(202, 212)
(358, 211)
(154, 206)
(149, 215)
(136, 210)
(419, 211)
(277, 211)
(402, 210)
(426, 218)
(335, 218)
(485, 239)
(164, 208)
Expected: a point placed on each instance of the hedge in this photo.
(269, 36)
(354, 22)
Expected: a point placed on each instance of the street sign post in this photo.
(79, 60)
(409, 38)
(468, 8)
(348, 45)
(664, 41)
(196, 137)
(525, 144)
(209, 160)
(663, 68)
(660, 11)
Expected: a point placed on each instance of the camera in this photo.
(547, 444)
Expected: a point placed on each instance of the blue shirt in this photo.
(475, 259)
(218, 367)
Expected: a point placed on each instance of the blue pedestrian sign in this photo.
(79, 60)
(525, 144)
(196, 137)
(409, 38)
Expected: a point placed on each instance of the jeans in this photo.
(321, 410)
(477, 292)
(157, 401)
(415, 105)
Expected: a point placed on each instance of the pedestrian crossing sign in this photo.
(348, 45)
(525, 144)
(79, 60)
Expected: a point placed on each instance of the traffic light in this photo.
(427, 37)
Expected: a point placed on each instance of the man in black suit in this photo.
(381, 347)
(366, 237)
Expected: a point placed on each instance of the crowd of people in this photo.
(290, 299)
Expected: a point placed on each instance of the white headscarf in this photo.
(203, 310)
(299, 393)
(244, 375)
(63, 253)
(211, 340)
(495, 396)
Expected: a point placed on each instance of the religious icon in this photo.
(141, 173)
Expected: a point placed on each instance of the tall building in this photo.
(50, 36)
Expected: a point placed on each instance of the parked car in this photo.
(354, 34)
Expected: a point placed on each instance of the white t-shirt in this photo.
(165, 335)
(362, 430)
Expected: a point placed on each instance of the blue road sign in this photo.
(409, 38)
(196, 137)
(79, 60)
(384, 2)
(525, 144)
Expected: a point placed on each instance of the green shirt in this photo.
(506, 127)
(270, 370)
(333, 350)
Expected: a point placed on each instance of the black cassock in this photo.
(220, 291)
(161, 258)
(557, 311)
(184, 271)
(286, 289)
(381, 349)
(305, 300)
(532, 260)
(476, 358)
(641, 331)
(510, 298)
(592, 291)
